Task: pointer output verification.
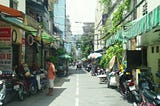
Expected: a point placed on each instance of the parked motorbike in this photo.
(9, 86)
(128, 89)
(101, 75)
(111, 79)
(28, 82)
(148, 96)
(89, 67)
(41, 79)
(29, 86)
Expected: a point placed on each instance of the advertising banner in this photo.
(5, 48)
(5, 37)
(6, 59)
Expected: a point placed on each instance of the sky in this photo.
(80, 11)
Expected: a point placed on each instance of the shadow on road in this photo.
(40, 99)
(61, 80)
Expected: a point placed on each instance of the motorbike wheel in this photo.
(33, 90)
(20, 93)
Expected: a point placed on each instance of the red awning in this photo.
(11, 11)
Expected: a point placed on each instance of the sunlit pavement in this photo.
(78, 89)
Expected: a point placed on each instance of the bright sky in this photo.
(80, 11)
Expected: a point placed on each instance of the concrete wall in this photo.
(4, 2)
(150, 6)
(152, 57)
(21, 4)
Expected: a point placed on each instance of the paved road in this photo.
(78, 89)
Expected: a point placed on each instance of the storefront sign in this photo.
(5, 37)
(6, 59)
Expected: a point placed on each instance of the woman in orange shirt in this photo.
(51, 75)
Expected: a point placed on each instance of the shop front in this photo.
(10, 45)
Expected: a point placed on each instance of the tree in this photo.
(87, 44)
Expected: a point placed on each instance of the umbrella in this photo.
(95, 55)
(65, 56)
(112, 62)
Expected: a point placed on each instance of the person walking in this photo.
(51, 75)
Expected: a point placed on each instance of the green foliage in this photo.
(60, 51)
(86, 44)
(106, 4)
(117, 15)
(116, 50)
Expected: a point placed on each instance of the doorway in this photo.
(15, 52)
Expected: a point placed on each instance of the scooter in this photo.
(102, 75)
(148, 96)
(41, 79)
(131, 93)
(128, 89)
(29, 86)
(9, 86)
(111, 79)
(89, 67)
(28, 82)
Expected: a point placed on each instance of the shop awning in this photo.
(11, 11)
(137, 27)
(47, 38)
(145, 24)
(115, 38)
(17, 23)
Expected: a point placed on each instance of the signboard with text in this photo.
(6, 59)
(5, 37)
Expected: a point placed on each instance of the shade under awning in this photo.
(11, 11)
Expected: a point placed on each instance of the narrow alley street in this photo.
(78, 89)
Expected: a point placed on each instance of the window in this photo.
(145, 11)
(14, 4)
(152, 49)
(157, 49)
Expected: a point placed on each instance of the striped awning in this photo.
(137, 27)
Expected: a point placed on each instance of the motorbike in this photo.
(79, 66)
(128, 89)
(101, 75)
(150, 98)
(29, 86)
(148, 95)
(9, 86)
(28, 82)
(89, 67)
(41, 79)
(111, 79)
